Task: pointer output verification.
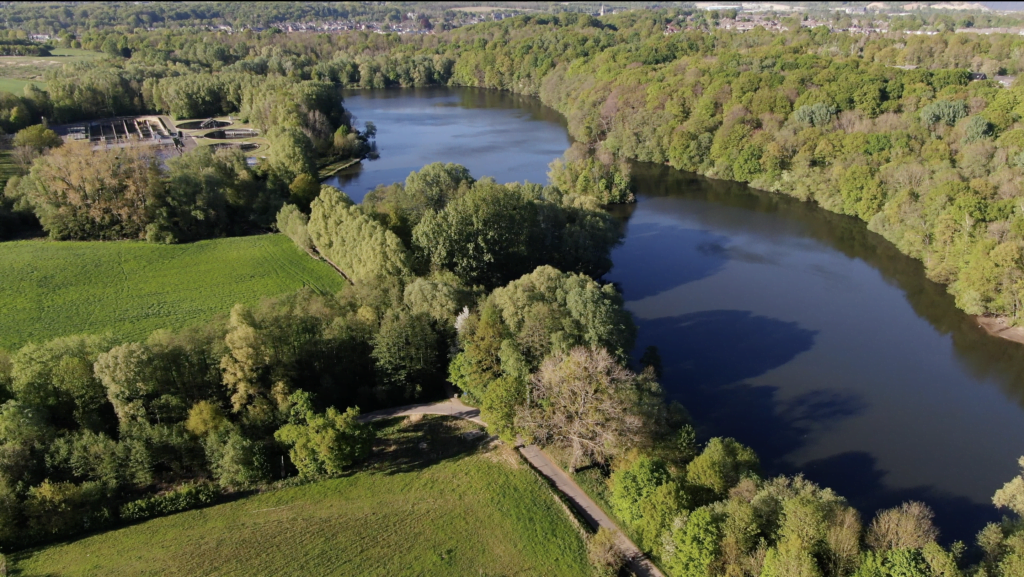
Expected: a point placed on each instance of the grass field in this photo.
(17, 85)
(17, 71)
(50, 289)
(479, 512)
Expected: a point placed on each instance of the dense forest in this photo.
(495, 287)
(892, 130)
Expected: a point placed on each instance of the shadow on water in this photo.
(707, 356)
(856, 476)
(711, 348)
(662, 270)
(985, 357)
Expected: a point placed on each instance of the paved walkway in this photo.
(579, 500)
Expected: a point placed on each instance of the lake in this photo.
(795, 330)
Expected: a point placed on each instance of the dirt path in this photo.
(580, 501)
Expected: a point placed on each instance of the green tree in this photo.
(405, 353)
(235, 460)
(205, 418)
(37, 137)
(586, 403)
(945, 111)
(1011, 495)
(58, 376)
(291, 154)
(907, 563)
(435, 184)
(503, 398)
(60, 509)
(976, 128)
(353, 241)
(304, 189)
(483, 236)
(818, 114)
(323, 444)
(633, 484)
(294, 224)
(696, 544)
(721, 465)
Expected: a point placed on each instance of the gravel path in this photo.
(580, 501)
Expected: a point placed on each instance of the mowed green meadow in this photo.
(128, 288)
(474, 515)
(18, 71)
(17, 85)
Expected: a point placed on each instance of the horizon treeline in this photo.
(890, 129)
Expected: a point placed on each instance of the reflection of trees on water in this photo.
(343, 177)
(985, 356)
(709, 356)
(469, 98)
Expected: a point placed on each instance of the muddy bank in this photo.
(997, 326)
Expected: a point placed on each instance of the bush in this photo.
(61, 509)
(949, 112)
(190, 496)
(605, 555)
(818, 114)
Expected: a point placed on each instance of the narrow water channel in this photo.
(792, 329)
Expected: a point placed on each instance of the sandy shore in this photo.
(996, 326)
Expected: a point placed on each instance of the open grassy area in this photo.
(17, 71)
(50, 289)
(17, 85)
(479, 511)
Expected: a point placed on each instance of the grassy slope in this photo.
(482, 513)
(50, 289)
(17, 71)
(17, 85)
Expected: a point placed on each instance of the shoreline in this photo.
(996, 326)
(329, 170)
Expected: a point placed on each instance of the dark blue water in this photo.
(510, 138)
(794, 330)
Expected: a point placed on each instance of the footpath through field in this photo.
(638, 563)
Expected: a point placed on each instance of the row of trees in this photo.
(90, 426)
(443, 221)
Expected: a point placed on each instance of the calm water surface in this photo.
(511, 138)
(792, 329)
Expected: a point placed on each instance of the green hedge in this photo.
(189, 496)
